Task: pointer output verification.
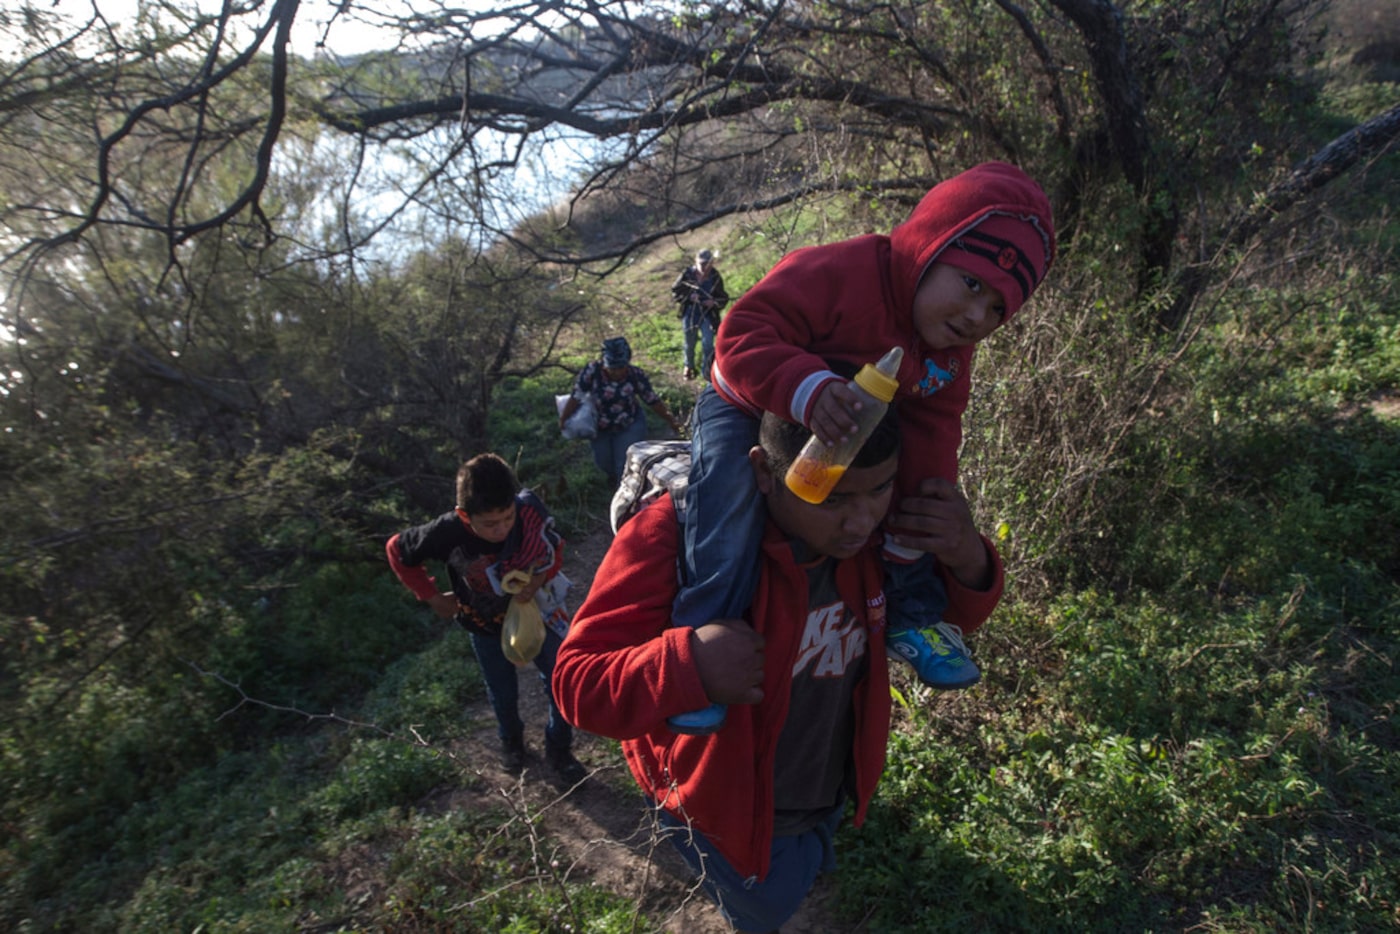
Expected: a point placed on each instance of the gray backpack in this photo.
(653, 468)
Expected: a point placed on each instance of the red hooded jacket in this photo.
(623, 669)
(853, 300)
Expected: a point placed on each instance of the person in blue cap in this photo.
(618, 390)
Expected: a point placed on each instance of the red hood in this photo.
(954, 206)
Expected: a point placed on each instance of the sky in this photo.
(532, 185)
(345, 37)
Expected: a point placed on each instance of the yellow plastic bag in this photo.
(522, 634)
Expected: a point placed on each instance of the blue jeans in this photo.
(503, 688)
(915, 596)
(747, 904)
(724, 515)
(698, 328)
(610, 447)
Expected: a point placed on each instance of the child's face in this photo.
(954, 308)
(842, 525)
(494, 525)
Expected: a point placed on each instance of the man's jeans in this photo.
(747, 904)
(503, 688)
(697, 327)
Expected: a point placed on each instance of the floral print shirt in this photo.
(616, 401)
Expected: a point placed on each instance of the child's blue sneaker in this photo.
(937, 655)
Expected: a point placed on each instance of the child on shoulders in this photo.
(972, 252)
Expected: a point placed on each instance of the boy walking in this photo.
(754, 807)
(971, 253)
(496, 528)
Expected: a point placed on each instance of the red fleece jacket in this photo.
(853, 300)
(623, 669)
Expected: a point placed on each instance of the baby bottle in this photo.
(819, 468)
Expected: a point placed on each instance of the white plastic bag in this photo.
(584, 422)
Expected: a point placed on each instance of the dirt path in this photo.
(602, 828)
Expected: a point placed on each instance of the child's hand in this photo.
(729, 660)
(938, 520)
(445, 605)
(528, 591)
(834, 413)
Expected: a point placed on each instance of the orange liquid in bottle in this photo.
(819, 467)
(812, 481)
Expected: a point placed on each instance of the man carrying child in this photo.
(753, 807)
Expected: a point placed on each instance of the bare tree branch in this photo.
(1369, 140)
(793, 100)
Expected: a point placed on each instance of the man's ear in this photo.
(762, 473)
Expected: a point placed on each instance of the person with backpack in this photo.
(753, 807)
(699, 290)
(495, 529)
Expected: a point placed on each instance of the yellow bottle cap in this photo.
(879, 379)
